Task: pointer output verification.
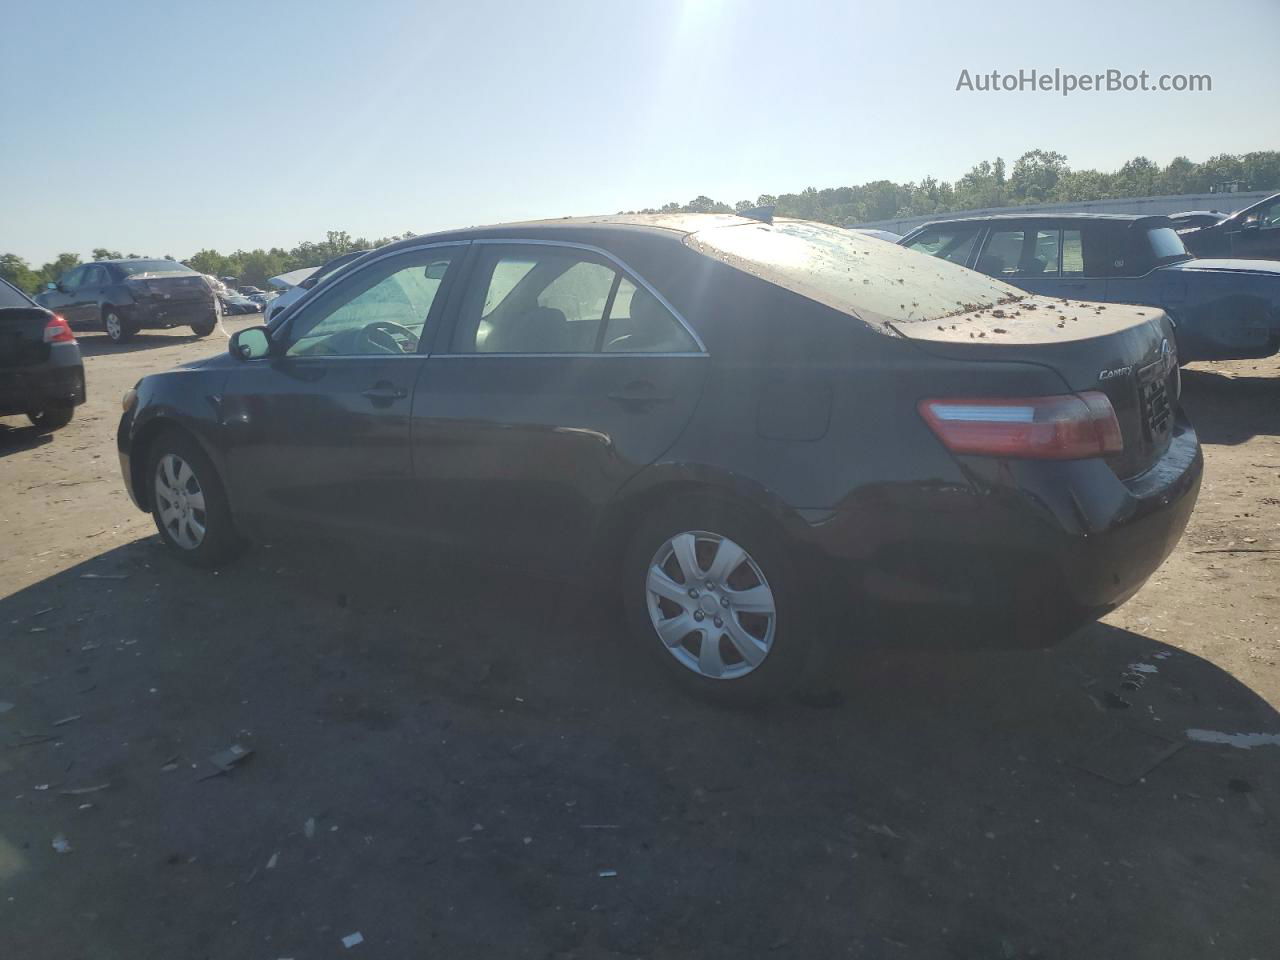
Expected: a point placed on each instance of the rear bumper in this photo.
(60, 379)
(161, 315)
(1032, 551)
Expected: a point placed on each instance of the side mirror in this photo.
(251, 343)
(51, 285)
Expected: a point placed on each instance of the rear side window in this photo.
(1165, 243)
(558, 300)
(11, 297)
(856, 274)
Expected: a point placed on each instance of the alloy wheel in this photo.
(710, 605)
(180, 501)
(115, 329)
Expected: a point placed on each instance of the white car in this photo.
(295, 284)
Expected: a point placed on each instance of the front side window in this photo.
(378, 310)
(73, 279)
(559, 300)
(952, 242)
(1269, 217)
(95, 277)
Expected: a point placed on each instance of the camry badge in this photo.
(1117, 372)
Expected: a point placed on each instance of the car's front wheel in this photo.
(710, 593)
(204, 329)
(52, 416)
(118, 329)
(189, 504)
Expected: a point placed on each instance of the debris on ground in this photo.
(309, 828)
(5, 706)
(1126, 754)
(104, 576)
(351, 939)
(226, 760)
(275, 858)
(60, 844)
(65, 720)
(81, 791)
(607, 873)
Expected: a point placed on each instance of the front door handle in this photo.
(383, 393)
(638, 393)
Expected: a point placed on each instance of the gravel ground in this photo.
(459, 763)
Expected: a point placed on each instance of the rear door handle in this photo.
(385, 393)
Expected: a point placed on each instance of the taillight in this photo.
(1067, 427)
(57, 331)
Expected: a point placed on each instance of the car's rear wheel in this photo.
(118, 329)
(709, 592)
(189, 504)
(52, 416)
(204, 329)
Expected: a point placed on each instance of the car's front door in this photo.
(1258, 234)
(562, 375)
(318, 433)
(64, 298)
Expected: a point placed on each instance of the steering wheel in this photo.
(382, 335)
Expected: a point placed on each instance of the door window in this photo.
(639, 323)
(1021, 253)
(560, 300)
(94, 277)
(1001, 255)
(952, 242)
(74, 279)
(378, 310)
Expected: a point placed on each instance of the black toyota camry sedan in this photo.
(753, 430)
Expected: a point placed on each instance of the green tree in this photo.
(102, 253)
(14, 269)
(1035, 175)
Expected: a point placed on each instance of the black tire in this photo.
(53, 416)
(203, 329)
(117, 326)
(795, 644)
(221, 542)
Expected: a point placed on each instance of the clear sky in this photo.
(161, 128)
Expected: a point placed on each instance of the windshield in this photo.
(133, 268)
(1165, 243)
(871, 279)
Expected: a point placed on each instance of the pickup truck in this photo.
(1222, 309)
(1251, 233)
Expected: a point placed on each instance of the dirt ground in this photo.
(458, 763)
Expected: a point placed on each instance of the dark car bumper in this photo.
(1030, 552)
(161, 315)
(60, 379)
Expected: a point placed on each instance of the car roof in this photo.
(1118, 218)
(586, 229)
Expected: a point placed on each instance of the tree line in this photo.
(1038, 176)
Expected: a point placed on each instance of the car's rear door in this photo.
(562, 375)
(318, 433)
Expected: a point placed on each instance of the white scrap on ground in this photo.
(1245, 741)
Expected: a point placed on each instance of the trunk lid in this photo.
(177, 287)
(1123, 351)
(22, 336)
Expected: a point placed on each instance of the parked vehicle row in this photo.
(121, 297)
(737, 425)
(1222, 309)
(41, 372)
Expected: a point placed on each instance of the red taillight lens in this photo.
(1067, 427)
(57, 331)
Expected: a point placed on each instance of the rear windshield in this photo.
(1166, 243)
(876, 281)
(11, 297)
(131, 268)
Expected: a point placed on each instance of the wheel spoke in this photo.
(197, 527)
(676, 629)
(184, 477)
(758, 599)
(168, 510)
(729, 557)
(686, 556)
(171, 476)
(748, 647)
(196, 500)
(709, 661)
(667, 588)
